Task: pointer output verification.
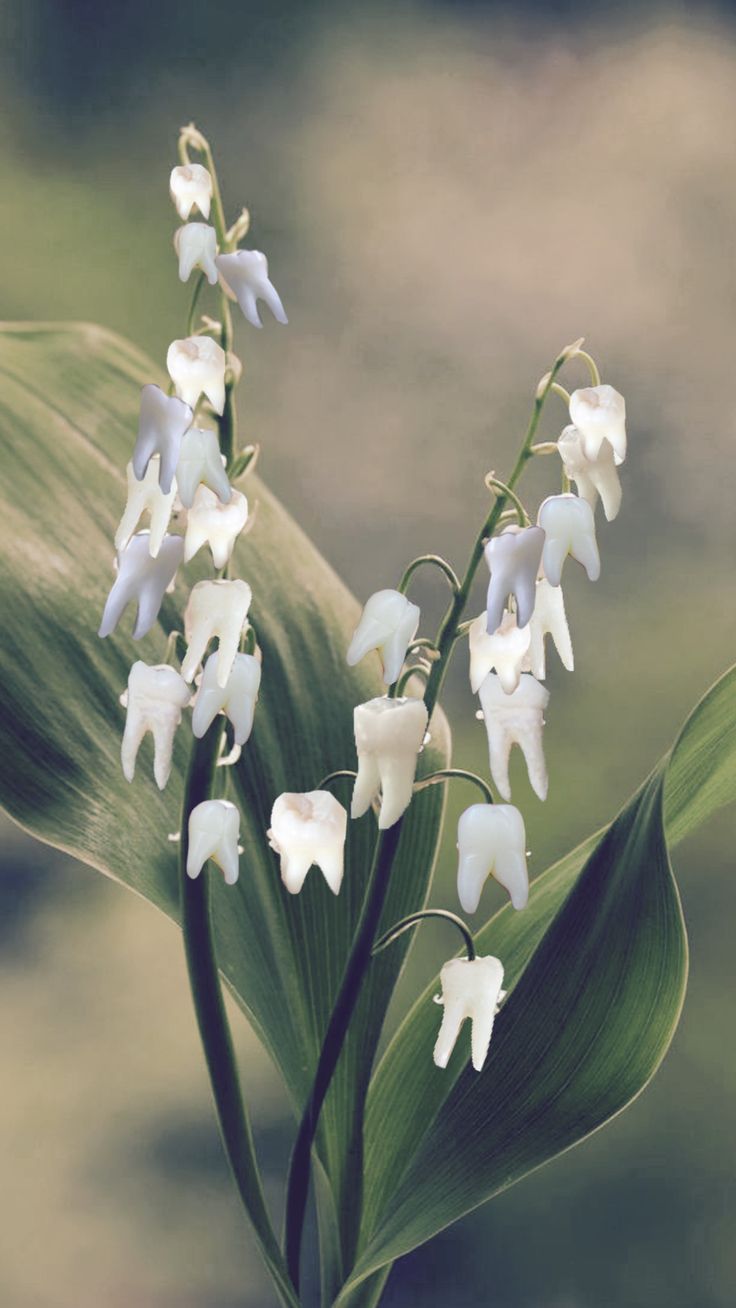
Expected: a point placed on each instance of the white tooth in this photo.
(196, 246)
(146, 496)
(513, 562)
(389, 734)
(305, 829)
(196, 366)
(388, 624)
(161, 425)
(200, 462)
(190, 186)
(470, 988)
(491, 841)
(214, 827)
(156, 697)
(218, 525)
(246, 274)
(569, 528)
(215, 609)
(142, 579)
(599, 413)
(515, 719)
(593, 477)
(237, 699)
(548, 618)
(505, 651)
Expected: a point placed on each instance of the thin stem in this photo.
(335, 776)
(214, 1029)
(545, 447)
(500, 488)
(415, 918)
(435, 560)
(588, 359)
(191, 316)
(560, 390)
(448, 774)
(398, 688)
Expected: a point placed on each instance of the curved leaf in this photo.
(68, 416)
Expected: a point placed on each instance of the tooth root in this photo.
(452, 1020)
(163, 745)
(249, 306)
(215, 393)
(294, 868)
(555, 553)
(498, 593)
(241, 714)
(525, 593)
(472, 873)
(393, 653)
(511, 873)
(196, 649)
(210, 700)
(397, 785)
(149, 603)
(367, 785)
(226, 856)
(331, 864)
(529, 737)
(482, 1030)
(606, 482)
(145, 448)
(499, 749)
(585, 551)
(135, 730)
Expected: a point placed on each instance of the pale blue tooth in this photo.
(143, 579)
(200, 463)
(513, 561)
(214, 827)
(237, 699)
(156, 697)
(246, 274)
(161, 426)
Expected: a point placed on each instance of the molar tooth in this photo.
(593, 477)
(515, 719)
(548, 618)
(389, 734)
(505, 651)
(162, 423)
(196, 366)
(388, 624)
(200, 463)
(246, 275)
(146, 496)
(569, 528)
(513, 562)
(155, 699)
(214, 827)
(143, 579)
(215, 608)
(305, 829)
(218, 525)
(196, 246)
(470, 988)
(237, 699)
(190, 186)
(491, 841)
(599, 413)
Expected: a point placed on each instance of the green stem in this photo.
(434, 560)
(447, 774)
(414, 919)
(214, 1028)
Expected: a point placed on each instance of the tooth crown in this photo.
(569, 528)
(515, 719)
(246, 273)
(470, 989)
(237, 698)
(190, 186)
(162, 423)
(513, 562)
(215, 524)
(389, 734)
(309, 828)
(388, 623)
(196, 246)
(143, 579)
(599, 413)
(146, 496)
(548, 619)
(156, 697)
(505, 651)
(196, 366)
(214, 827)
(215, 609)
(491, 841)
(593, 477)
(200, 462)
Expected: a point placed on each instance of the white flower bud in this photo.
(548, 618)
(599, 413)
(156, 696)
(515, 719)
(237, 699)
(593, 477)
(146, 497)
(471, 988)
(491, 842)
(190, 186)
(569, 528)
(305, 829)
(505, 651)
(216, 609)
(200, 463)
(196, 246)
(214, 827)
(218, 525)
(388, 624)
(196, 366)
(246, 274)
(389, 734)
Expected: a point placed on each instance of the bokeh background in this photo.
(447, 194)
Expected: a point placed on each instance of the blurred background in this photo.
(447, 194)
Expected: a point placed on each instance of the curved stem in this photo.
(415, 918)
(334, 776)
(435, 560)
(214, 1029)
(500, 488)
(398, 688)
(592, 366)
(560, 390)
(447, 774)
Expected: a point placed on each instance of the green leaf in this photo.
(68, 415)
(596, 970)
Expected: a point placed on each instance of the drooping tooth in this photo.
(513, 562)
(470, 988)
(599, 413)
(161, 426)
(146, 496)
(214, 827)
(389, 734)
(196, 366)
(515, 719)
(218, 525)
(305, 829)
(156, 697)
(190, 186)
(196, 246)
(200, 463)
(143, 579)
(505, 651)
(237, 698)
(246, 274)
(569, 528)
(548, 619)
(491, 842)
(215, 609)
(593, 477)
(388, 624)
